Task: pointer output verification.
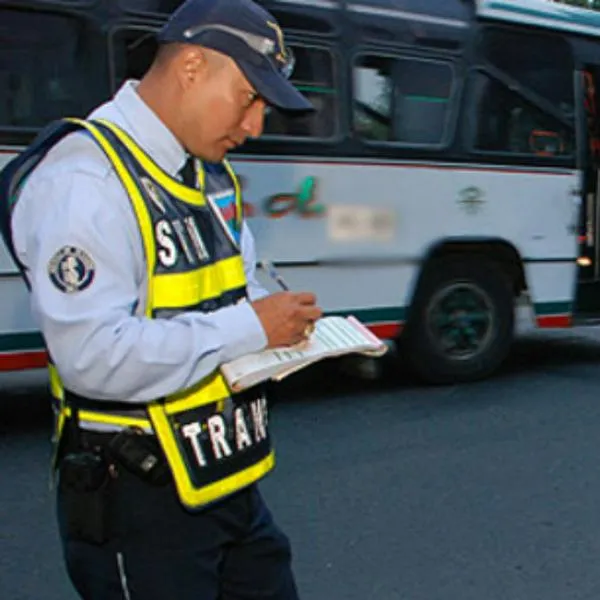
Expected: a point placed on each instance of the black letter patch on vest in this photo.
(71, 269)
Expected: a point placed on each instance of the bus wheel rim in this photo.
(461, 320)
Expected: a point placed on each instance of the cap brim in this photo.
(274, 87)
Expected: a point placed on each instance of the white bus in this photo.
(449, 172)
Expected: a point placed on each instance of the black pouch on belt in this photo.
(84, 485)
(141, 455)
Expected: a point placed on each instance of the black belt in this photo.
(102, 440)
(140, 453)
(95, 439)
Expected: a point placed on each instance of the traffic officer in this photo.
(128, 229)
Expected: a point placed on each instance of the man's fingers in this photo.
(306, 298)
(311, 313)
(288, 317)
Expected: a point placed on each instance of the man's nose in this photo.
(254, 119)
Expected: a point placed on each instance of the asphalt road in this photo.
(389, 489)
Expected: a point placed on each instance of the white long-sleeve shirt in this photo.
(102, 349)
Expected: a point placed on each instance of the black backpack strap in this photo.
(15, 173)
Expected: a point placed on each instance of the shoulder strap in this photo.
(239, 206)
(15, 173)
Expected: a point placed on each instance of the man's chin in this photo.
(212, 157)
(218, 152)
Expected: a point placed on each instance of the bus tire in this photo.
(461, 322)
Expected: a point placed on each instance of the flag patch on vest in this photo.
(225, 202)
(71, 269)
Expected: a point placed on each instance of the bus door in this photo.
(588, 300)
(589, 228)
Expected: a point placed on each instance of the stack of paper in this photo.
(333, 336)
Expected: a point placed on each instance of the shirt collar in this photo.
(132, 114)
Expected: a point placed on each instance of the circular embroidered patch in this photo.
(71, 269)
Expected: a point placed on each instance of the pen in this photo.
(273, 274)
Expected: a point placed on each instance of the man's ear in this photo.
(192, 65)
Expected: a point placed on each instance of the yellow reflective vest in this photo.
(215, 442)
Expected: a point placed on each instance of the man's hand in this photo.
(286, 317)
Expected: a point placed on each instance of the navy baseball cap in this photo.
(248, 34)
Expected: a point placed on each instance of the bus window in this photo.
(314, 76)
(541, 63)
(423, 90)
(403, 100)
(45, 69)
(507, 123)
(132, 50)
(373, 98)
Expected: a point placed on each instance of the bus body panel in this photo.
(372, 225)
(21, 345)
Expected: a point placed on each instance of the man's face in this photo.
(220, 109)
